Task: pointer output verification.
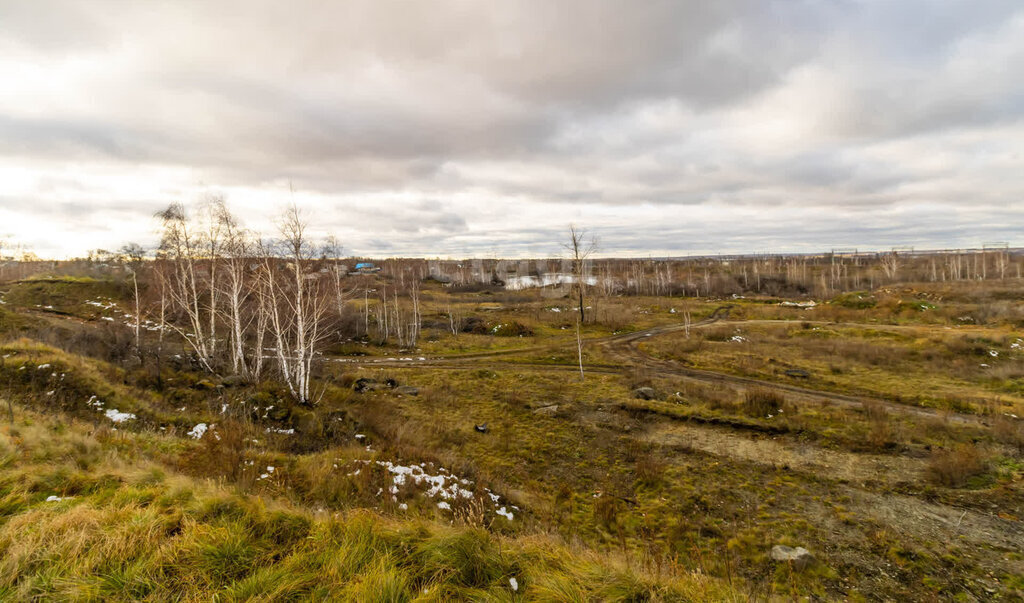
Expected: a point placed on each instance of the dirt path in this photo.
(783, 452)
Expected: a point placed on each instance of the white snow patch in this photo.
(117, 416)
(514, 584)
(198, 431)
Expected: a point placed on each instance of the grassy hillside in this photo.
(92, 514)
(877, 429)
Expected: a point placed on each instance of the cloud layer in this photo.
(468, 128)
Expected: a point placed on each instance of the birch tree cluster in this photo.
(246, 305)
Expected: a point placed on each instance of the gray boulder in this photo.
(799, 556)
(546, 410)
(644, 393)
(365, 384)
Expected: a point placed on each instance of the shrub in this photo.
(1010, 431)
(953, 468)
(761, 402)
(511, 329)
(857, 300)
(650, 470)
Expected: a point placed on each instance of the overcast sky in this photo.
(484, 128)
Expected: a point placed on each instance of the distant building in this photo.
(365, 268)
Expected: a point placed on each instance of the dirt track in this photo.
(624, 349)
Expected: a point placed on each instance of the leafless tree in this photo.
(237, 288)
(890, 265)
(333, 251)
(132, 254)
(301, 331)
(180, 248)
(580, 247)
(454, 320)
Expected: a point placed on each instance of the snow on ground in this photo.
(117, 416)
(198, 431)
(444, 485)
(793, 304)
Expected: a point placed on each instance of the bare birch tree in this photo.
(237, 288)
(580, 247)
(180, 248)
(301, 332)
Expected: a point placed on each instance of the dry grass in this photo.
(954, 468)
(761, 402)
(1009, 431)
(127, 530)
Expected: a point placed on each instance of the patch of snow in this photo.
(444, 505)
(43, 366)
(504, 513)
(55, 498)
(198, 431)
(514, 584)
(117, 416)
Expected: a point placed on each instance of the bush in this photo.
(954, 468)
(1010, 431)
(761, 402)
(511, 329)
(857, 300)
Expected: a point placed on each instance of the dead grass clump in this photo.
(761, 402)
(881, 430)
(615, 317)
(1010, 431)
(640, 376)
(512, 329)
(719, 333)
(649, 469)
(220, 453)
(954, 468)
